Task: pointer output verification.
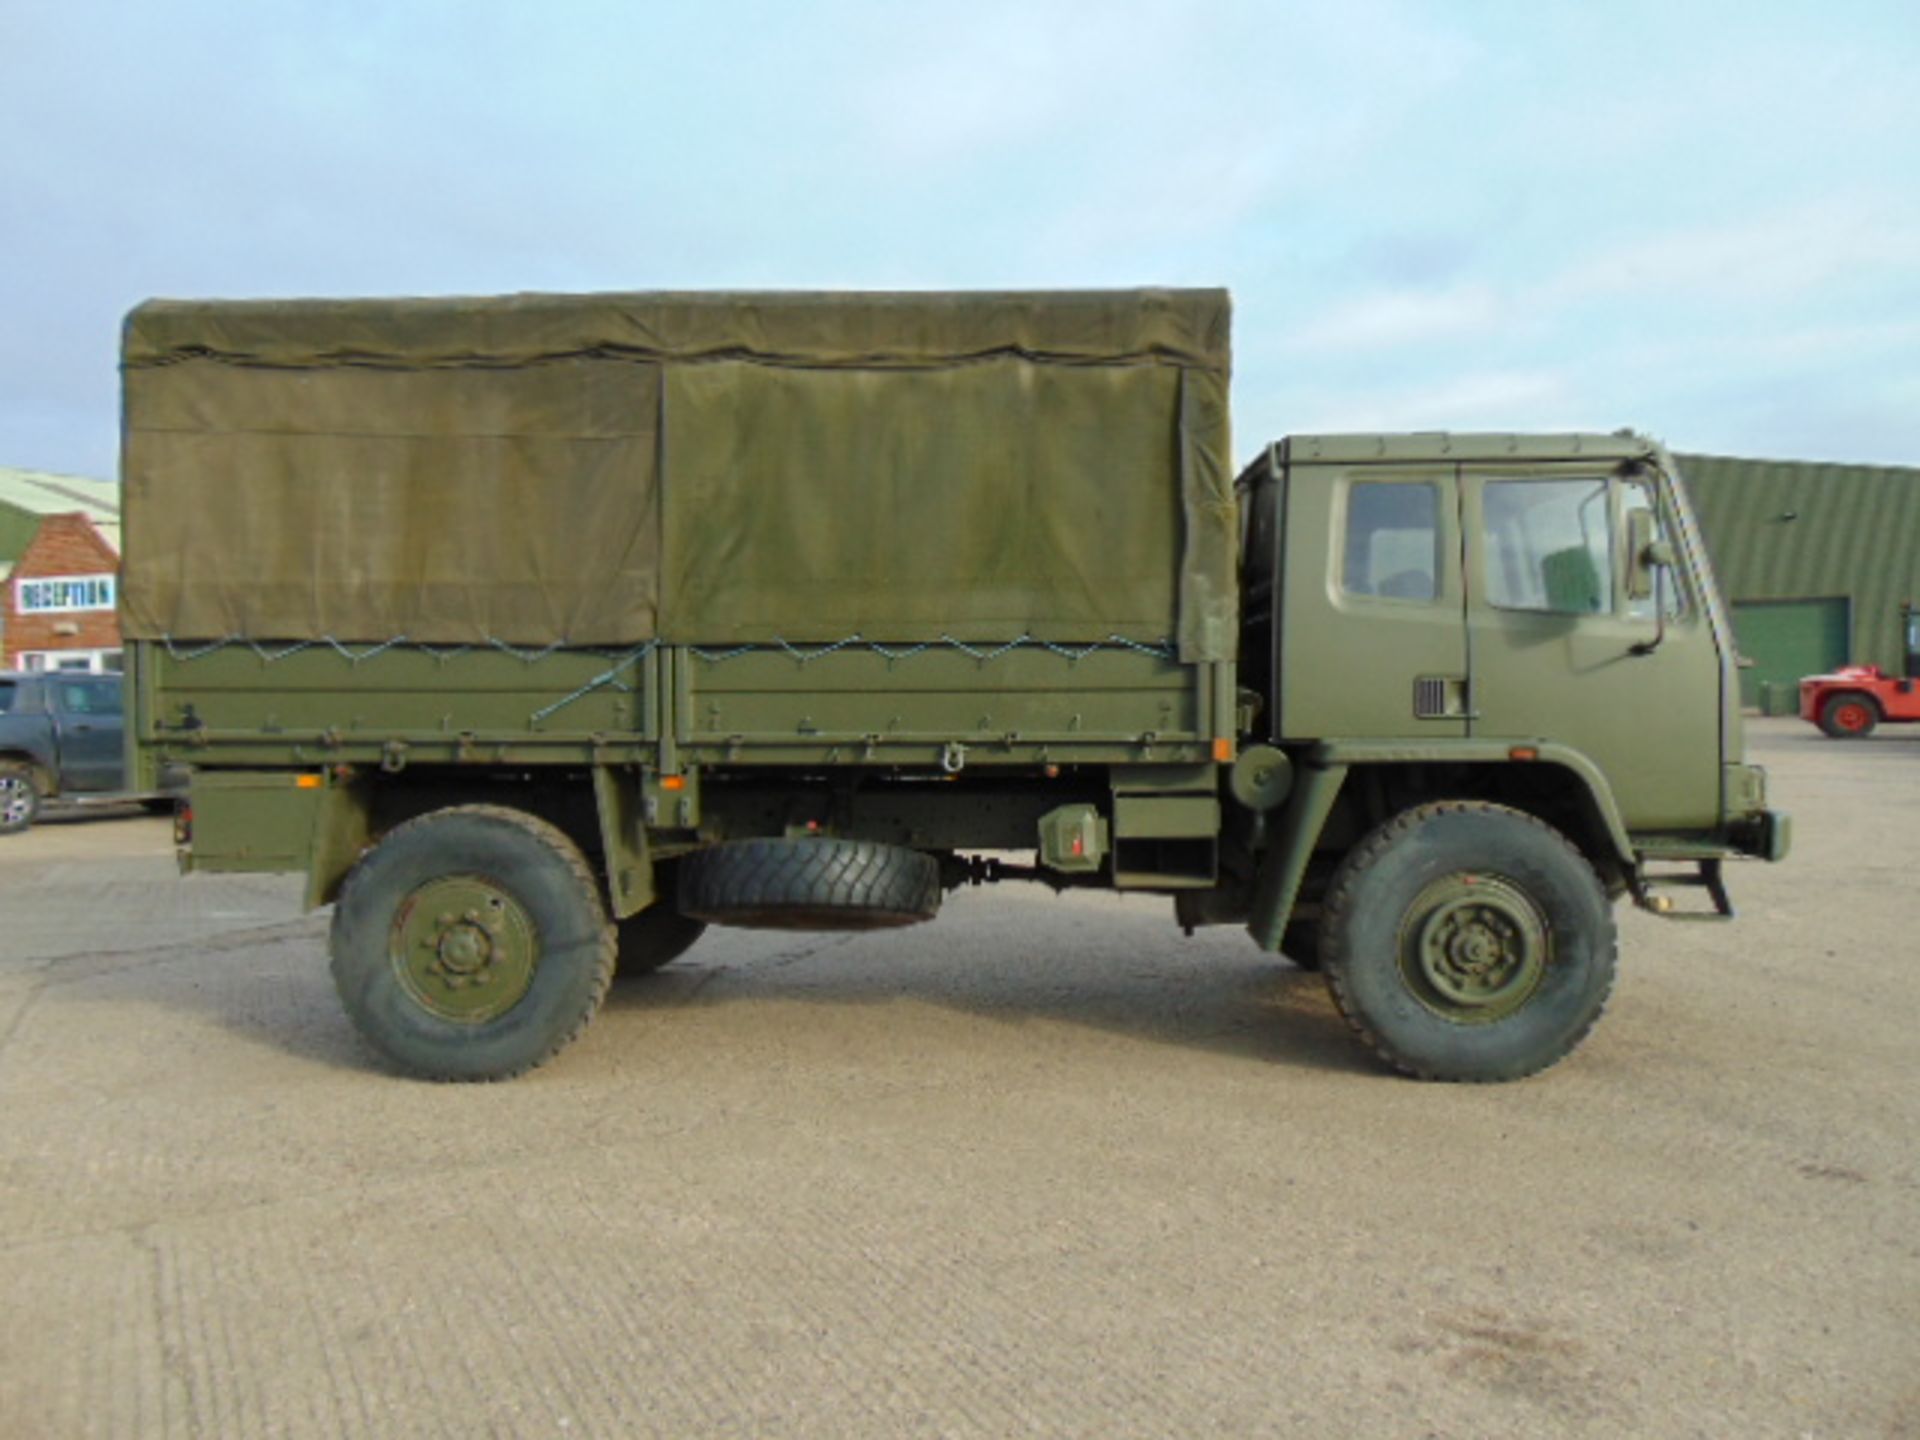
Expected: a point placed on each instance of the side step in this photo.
(1647, 883)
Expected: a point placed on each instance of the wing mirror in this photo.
(1646, 553)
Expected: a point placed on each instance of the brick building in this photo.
(27, 499)
(59, 605)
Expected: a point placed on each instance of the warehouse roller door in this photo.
(1786, 639)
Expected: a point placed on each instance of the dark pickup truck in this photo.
(61, 738)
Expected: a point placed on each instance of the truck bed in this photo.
(941, 704)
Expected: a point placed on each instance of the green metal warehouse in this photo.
(1816, 559)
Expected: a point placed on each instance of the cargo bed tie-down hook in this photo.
(953, 759)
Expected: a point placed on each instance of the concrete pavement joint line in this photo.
(31, 999)
(173, 1365)
(644, 1143)
(150, 956)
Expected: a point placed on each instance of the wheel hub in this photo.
(1474, 948)
(463, 948)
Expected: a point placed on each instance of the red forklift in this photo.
(1855, 700)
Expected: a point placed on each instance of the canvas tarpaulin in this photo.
(723, 468)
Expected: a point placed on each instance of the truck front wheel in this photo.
(19, 798)
(472, 944)
(1468, 941)
(1849, 715)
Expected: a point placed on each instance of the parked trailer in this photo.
(543, 632)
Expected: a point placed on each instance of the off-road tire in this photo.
(659, 934)
(1421, 878)
(542, 873)
(810, 884)
(19, 797)
(1849, 715)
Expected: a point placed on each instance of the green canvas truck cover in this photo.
(701, 468)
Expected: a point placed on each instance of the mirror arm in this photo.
(1647, 647)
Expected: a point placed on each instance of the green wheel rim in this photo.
(1474, 948)
(464, 949)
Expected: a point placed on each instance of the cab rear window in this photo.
(7, 689)
(1393, 540)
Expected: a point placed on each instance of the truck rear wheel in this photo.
(1849, 715)
(19, 798)
(472, 944)
(810, 884)
(1468, 941)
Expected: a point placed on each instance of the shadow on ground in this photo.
(1139, 980)
(1116, 972)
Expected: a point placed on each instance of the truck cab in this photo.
(1507, 613)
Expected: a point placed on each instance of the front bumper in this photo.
(1767, 835)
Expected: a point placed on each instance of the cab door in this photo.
(1372, 641)
(87, 709)
(1562, 653)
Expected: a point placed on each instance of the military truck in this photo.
(542, 632)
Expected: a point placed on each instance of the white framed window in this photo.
(71, 662)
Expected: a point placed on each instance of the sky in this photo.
(1701, 220)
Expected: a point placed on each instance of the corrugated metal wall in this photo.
(1795, 530)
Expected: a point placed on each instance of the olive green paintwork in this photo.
(1643, 702)
(463, 948)
(234, 707)
(253, 819)
(1631, 712)
(342, 831)
(1473, 948)
(623, 839)
(1074, 840)
(1301, 822)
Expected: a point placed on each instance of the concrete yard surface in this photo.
(1043, 1167)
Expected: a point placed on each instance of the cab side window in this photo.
(1549, 546)
(90, 697)
(1393, 540)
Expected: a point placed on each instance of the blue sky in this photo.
(1699, 219)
